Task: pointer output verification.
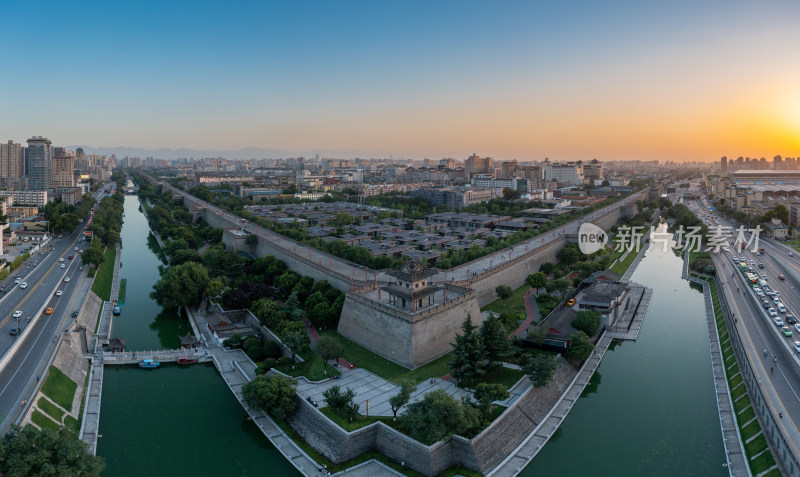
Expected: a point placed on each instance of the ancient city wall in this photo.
(382, 329)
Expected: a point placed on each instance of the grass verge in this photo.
(312, 368)
(515, 304)
(506, 376)
(623, 265)
(123, 286)
(105, 274)
(59, 388)
(364, 358)
(43, 421)
(50, 409)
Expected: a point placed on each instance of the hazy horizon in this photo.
(621, 80)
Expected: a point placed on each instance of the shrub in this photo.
(271, 349)
(255, 353)
(284, 360)
(251, 342)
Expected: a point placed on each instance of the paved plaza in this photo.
(376, 390)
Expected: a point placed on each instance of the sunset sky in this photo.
(527, 80)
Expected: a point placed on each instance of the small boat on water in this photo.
(149, 363)
(186, 360)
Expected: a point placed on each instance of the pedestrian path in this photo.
(532, 310)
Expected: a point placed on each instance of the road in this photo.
(780, 363)
(35, 343)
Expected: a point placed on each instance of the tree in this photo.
(93, 255)
(236, 299)
(537, 280)
(540, 369)
(511, 194)
(27, 451)
(269, 313)
(214, 288)
(782, 213)
(504, 292)
(341, 402)
(251, 239)
(468, 353)
(537, 335)
(402, 397)
(273, 394)
(485, 394)
(587, 321)
(341, 219)
(329, 348)
(296, 343)
(438, 415)
(568, 255)
(560, 285)
(495, 341)
(546, 267)
(181, 285)
(580, 349)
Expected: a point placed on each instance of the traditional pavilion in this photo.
(189, 341)
(412, 290)
(116, 344)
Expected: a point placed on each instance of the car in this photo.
(786, 331)
(735, 258)
(760, 265)
(797, 346)
(66, 279)
(775, 299)
(76, 249)
(789, 318)
(571, 302)
(117, 311)
(17, 280)
(759, 293)
(772, 312)
(70, 257)
(781, 277)
(48, 311)
(14, 331)
(74, 314)
(781, 307)
(61, 259)
(764, 277)
(791, 254)
(778, 321)
(63, 266)
(23, 285)
(59, 292)
(777, 293)
(17, 314)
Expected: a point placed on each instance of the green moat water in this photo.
(172, 420)
(650, 408)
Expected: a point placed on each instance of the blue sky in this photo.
(571, 80)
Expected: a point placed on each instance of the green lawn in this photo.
(756, 445)
(72, 424)
(59, 388)
(506, 376)
(52, 410)
(311, 368)
(43, 421)
(105, 274)
(515, 304)
(364, 358)
(361, 421)
(623, 265)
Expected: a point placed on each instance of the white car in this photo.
(781, 307)
(61, 259)
(17, 280)
(797, 345)
(23, 285)
(778, 322)
(63, 266)
(775, 299)
(17, 314)
(59, 292)
(66, 279)
(772, 313)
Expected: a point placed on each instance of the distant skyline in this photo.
(616, 80)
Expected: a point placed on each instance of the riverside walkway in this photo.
(162, 356)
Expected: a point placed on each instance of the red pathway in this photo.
(528, 320)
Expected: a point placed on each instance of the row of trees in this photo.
(477, 351)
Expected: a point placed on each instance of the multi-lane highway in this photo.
(771, 348)
(24, 356)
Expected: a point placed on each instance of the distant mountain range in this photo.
(245, 153)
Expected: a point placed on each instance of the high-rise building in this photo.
(477, 165)
(12, 156)
(723, 162)
(63, 174)
(39, 159)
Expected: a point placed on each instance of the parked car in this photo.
(571, 302)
